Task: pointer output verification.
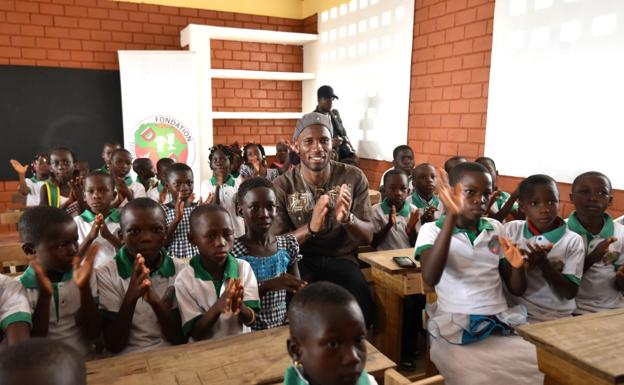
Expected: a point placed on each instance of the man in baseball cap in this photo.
(341, 144)
(325, 205)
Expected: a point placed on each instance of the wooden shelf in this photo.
(243, 34)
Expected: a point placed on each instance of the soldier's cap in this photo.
(311, 119)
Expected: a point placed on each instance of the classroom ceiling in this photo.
(292, 9)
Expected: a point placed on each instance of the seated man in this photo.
(325, 205)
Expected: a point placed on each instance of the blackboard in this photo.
(42, 108)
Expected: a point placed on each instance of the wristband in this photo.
(313, 234)
(253, 318)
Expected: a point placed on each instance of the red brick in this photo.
(435, 66)
(138, 17)
(462, 47)
(128, 6)
(9, 29)
(7, 5)
(436, 38)
(98, 13)
(178, 20)
(93, 46)
(471, 91)
(485, 12)
(455, 34)
(476, 29)
(444, 50)
(56, 32)
(460, 77)
(105, 57)
(69, 44)
(468, 149)
(455, 5)
(89, 23)
(41, 19)
(82, 56)
(111, 25)
(120, 15)
(76, 11)
(11, 52)
(431, 148)
(47, 43)
(51, 9)
(450, 121)
(482, 44)
(69, 22)
(60, 54)
(448, 149)
(433, 121)
(466, 16)
(453, 64)
(132, 27)
(101, 35)
(148, 8)
(26, 6)
(479, 105)
(81, 34)
(18, 17)
(437, 9)
(33, 53)
(32, 30)
(471, 120)
(158, 18)
(476, 135)
(22, 41)
(142, 38)
(459, 106)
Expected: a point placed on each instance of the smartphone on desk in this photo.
(404, 262)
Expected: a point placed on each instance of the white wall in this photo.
(556, 92)
(364, 52)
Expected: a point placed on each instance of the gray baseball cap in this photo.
(311, 119)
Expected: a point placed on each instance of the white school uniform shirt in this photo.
(197, 291)
(113, 280)
(541, 301)
(597, 291)
(64, 307)
(138, 191)
(227, 197)
(422, 204)
(14, 306)
(397, 237)
(34, 187)
(154, 193)
(471, 282)
(106, 250)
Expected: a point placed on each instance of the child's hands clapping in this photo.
(43, 281)
(83, 269)
(599, 251)
(139, 281)
(122, 188)
(209, 199)
(392, 216)
(98, 223)
(413, 221)
(428, 215)
(225, 302)
(512, 253)
(179, 210)
(451, 198)
(537, 255)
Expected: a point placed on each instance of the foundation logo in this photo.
(163, 137)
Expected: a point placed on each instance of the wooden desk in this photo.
(580, 350)
(254, 358)
(11, 254)
(392, 284)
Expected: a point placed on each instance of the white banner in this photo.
(160, 107)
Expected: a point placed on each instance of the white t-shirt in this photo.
(567, 251)
(197, 291)
(597, 291)
(14, 306)
(113, 279)
(154, 194)
(33, 198)
(64, 308)
(138, 191)
(227, 197)
(471, 282)
(106, 250)
(397, 237)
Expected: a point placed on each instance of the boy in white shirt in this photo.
(60, 288)
(602, 285)
(465, 259)
(424, 177)
(218, 296)
(136, 286)
(159, 192)
(99, 223)
(555, 254)
(15, 317)
(126, 188)
(402, 159)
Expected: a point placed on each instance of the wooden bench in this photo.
(13, 261)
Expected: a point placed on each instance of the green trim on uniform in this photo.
(230, 270)
(292, 377)
(420, 249)
(113, 216)
(29, 281)
(253, 304)
(422, 203)
(404, 212)
(483, 224)
(607, 230)
(54, 194)
(160, 186)
(573, 278)
(230, 181)
(125, 264)
(235, 174)
(553, 236)
(19, 316)
(103, 169)
(128, 180)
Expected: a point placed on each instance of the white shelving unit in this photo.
(197, 39)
